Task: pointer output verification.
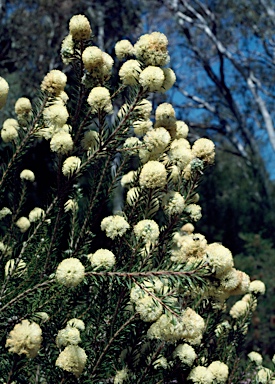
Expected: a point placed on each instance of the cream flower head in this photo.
(148, 308)
(152, 78)
(114, 226)
(23, 224)
(70, 272)
(173, 203)
(257, 287)
(25, 338)
(72, 359)
(204, 149)
(151, 49)
(70, 165)
(181, 129)
(92, 58)
(147, 231)
(180, 153)
(165, 115)
(36, 214)
(26, 174)
(22, 106)
(124, 49)
(141, 127)
(121, 376)
(153, 175)
(55, 115)
(68, 336)
(256, 358)
(194, 211)
(239, 309)
(129, 72)
(80, 28)
(220, 258)
(220, 371)
(76, 323)
(67, 49)
(201, 375)
(61, 142)
(100, 99)
(186, 354)
(90, 141)
(4, 90)
(5, 211)
(102, 258)
(54, 82)
(169, 79)
(8, 134)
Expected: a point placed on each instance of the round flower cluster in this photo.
(56, 115)
(23, 224)
(256, 358)
(186, 354)
(67, 49)
(220, 371)
(70, 165)
(169, 79)
(131, 144)
(114, 226)
(102, 258)
(194, 211)
(204, 149)
(121, 376)
(80, 28)
(26, 174)
(36, 214)
(239, 309)
(68, 336)
(151, 49)
(156, 141)
(147, 231)
(153, 175)
(9, 130)
(54, 82)
(99, 64)
(100, 99)
(70, 272)
(72, 359)
(4, 212)
(257, 287)
(173, 203)
(4, 90)
(180, 153)
(152, 78)
(165, 116)
(219, 258)
(25, 338)
(142, 126)
(23, 106)
(129, 72)
(189, 326)
(188, 247)
(62, 143)
(124, 49)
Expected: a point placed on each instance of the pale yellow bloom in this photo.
(90, 141)
(67, 49)
(23, 224)
(70, 272)
(26, 174)
(76, 323)
(142, 126)
(153, 175)
(186, 354)
(114, 226)
(165, 115)
(4, 212)
(144, 109)
(8, 134)
(124, 49)
(92, 58)
(121, 376)
(100, 99)
(147, 231)
(256, 358)
(102, 258)
(264, 375)
(68, 336)
(201, 375)
(4, 90)
(181, 129)
(70, 165)
(219, 258)
(25, 338)
(160, 362)
(220, 371)
(180, 153)
(107, 67)
(132, 145)
(54, 82)
(243, 286)
(194, 211)
(229, 280)
(169, 79)
(156, 141)
(80, 28)
(151, 49)
(257, 287)
(56, 115)
(61, 142)
(152, 78)
(129, 72)
(148, 308)
(22, 106)
(188, 228)
(204, 149)
(240, 308)
(36, 214)
(72, 359)
(173, 203)
(127, 179)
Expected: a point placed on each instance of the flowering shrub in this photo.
(132, 283)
